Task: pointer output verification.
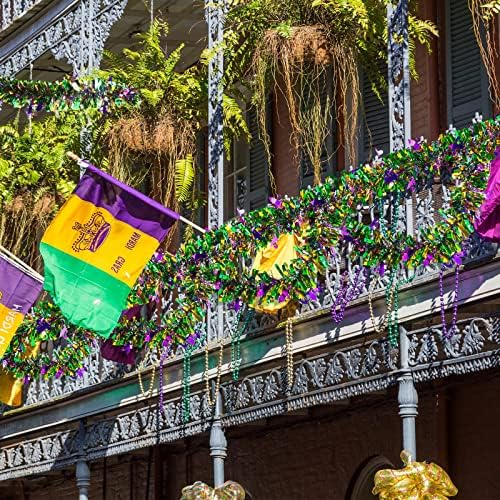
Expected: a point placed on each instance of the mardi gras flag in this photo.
(96, 247)
(18, 293)
(11, 388)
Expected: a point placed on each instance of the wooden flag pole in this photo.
(76, 158)
(20, 264)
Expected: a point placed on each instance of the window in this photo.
(467, 81)
(247, 177)
(258, 171)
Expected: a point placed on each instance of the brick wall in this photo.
(319, 458)
(425, 98)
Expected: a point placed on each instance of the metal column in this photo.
(407, 396)
(82, 466)
(83, 479)
(218, 444)
(398, 62)
(215, 11)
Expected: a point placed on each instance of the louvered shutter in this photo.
(258, 171)
(327, 151)
(202, 174)
(375, 132)
(467, 84)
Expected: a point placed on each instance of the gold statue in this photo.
(416, 481)
(201, 491)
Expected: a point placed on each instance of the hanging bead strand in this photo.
(447, 334)
(289, 354)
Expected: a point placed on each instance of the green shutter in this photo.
(258, 171)
(467, 83)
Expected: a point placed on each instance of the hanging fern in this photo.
(288, 44)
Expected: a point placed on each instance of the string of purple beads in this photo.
(447, 334)
(347, 293)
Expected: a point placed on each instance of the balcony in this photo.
(107, 386)
(13, 12)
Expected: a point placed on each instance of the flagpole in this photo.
(20, 264)
(76, 158)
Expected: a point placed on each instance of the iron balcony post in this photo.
(407, 396)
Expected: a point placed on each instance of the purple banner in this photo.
(488, 222)
(18, 291)
(125, 203)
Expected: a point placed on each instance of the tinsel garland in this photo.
(68, 94)
(212, 267)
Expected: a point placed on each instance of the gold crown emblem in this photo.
(92, 234)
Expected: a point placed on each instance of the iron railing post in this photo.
(407, 396)
(399, 85)
(215, 20)
(218, 443)
(82, 466)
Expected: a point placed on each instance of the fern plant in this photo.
(287, 45)
(162, 130)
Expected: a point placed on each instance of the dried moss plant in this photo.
(298, 48)
(155, 143)
(485, 31)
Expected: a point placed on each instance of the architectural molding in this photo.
(72, 30)
(335, 376)
(109, 387)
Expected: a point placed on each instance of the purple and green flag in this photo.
(96, 247)
(18, 292)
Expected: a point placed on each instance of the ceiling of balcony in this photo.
(185, 18)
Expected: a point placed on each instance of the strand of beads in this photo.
(392, 290)
(385, 318)
(347, 293)
(289, 354)
(186, 382)
(163, 356)
(447, 334)
(149, 392)
(211, 402)
(236, 345)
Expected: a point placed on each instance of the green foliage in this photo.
(184, 177)
(153, 74)
(173, 97)
(33, 158)
(289, 43)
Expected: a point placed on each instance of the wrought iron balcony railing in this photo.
(423, 211)
(12, 10)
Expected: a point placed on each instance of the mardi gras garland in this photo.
(211, 268)
(68, 94)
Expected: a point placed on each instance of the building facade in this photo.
(354, 402)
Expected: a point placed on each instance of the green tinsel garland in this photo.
(68, 94)
(210, 267)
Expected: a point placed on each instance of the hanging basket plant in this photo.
(161, 132)
(311, 52)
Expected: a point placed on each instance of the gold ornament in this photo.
(416, 481)
(201, 491)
